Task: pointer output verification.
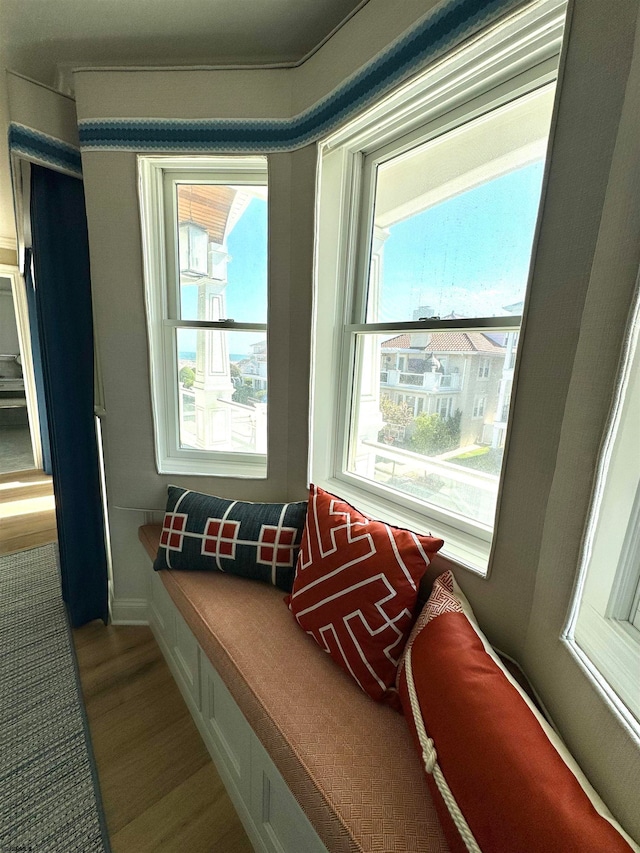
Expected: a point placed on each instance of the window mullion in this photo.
(227, 325)
(476, 324)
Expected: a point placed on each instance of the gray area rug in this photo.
(49, 795)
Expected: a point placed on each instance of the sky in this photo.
(246, 292)
(469, 255)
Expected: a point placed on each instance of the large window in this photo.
(205, 240)
(604, 628)
(427, 215)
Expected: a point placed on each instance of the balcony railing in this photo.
(424, 381)
(411, 378)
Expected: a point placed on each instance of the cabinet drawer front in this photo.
(281, 822)
(161, 610)
(227, 727)
(185, 654)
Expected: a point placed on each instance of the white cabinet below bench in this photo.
(271, 815)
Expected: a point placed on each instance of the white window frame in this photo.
(513, 59)
(160, 255)
(600, 632)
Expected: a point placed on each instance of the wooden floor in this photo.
(160, 789)
(27, 511)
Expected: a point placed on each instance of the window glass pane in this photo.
(222, 390)
(454, 218)
(426, 423)
(222, 252)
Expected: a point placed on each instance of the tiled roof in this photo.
(399, 342)
(449, 342)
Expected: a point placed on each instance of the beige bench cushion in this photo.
(349, 762)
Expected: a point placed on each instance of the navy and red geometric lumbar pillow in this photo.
(254, 540)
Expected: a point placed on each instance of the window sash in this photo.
(492, 101)
(245, 171)
(157, 179)
(343, 464)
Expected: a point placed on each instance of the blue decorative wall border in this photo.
(44, 149)
(446, 26)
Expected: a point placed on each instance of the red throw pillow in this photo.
(355, 589)
(501, 779)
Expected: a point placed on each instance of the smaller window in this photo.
(444, 406)
(205, 250)
(194, 243)
(478, 407)
(484, 368)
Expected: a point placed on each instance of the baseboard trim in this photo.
(129, 611)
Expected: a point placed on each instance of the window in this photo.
(604, 628)
(194, 245)
(478, 407)
(444, 405)
(484, 368)
(205, 250)
(427, 211)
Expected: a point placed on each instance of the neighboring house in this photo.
(443, 372)
(253, 370)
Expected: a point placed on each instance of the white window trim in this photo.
(21, 310)
(599, 632)
(510, 60)
(158, 253)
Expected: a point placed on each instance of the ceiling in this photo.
(44, 39)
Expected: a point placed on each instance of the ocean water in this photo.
(189, 355)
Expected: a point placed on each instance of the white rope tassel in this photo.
(432, 767)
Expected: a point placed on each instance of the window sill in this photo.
(461, 549)
(614, 652)
(254, 469)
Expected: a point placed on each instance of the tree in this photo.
(395, 413)
(433, 435)
(396, 416)
(187, 376)
(243, 393)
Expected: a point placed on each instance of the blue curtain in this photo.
(63, 298)
(34, 333)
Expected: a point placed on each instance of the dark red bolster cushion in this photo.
(511, 783)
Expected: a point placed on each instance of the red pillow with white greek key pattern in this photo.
(501, 779)
(355, 589)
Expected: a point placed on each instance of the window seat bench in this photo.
(310, 762)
